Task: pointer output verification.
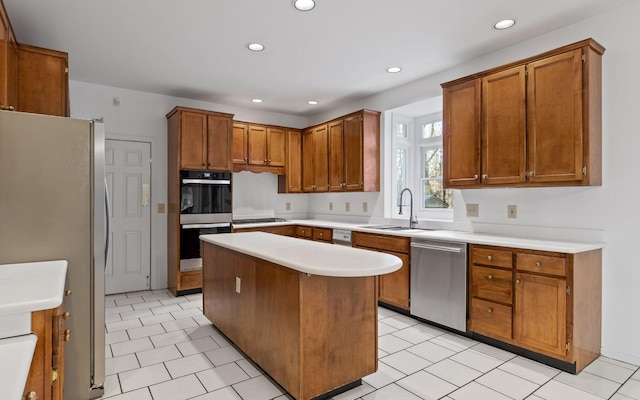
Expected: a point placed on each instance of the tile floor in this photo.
(161, 347)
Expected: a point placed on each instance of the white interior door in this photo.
(128, 173)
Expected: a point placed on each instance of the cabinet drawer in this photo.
(491, 319)
(492, 284)
(191, 280)
(382, 242)
(551, 265)
(491, 256)
(304, 232)
(322, 234)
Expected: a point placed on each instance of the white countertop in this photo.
(560, 246)
(33, 286)
(16, 354)
(307, 256)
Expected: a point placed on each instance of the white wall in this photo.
(607, 213)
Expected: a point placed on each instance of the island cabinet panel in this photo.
(534, 122)
(545, 302)
(312, 334)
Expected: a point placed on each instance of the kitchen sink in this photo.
(394, 228)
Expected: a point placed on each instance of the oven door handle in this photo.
(198, 226)
(437, 247)
(207, 181)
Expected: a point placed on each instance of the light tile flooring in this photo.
(161, 347)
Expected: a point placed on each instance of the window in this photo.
(418, 161)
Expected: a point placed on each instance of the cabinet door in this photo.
(239, 149)
(504, 127)
(276, 147)
(193, 141)
(321, 159)
(336, 156)
(461, 142)
(43, 85)
(354, 153)
(257, 148)
(540, 313)
(394, 287)
(555, 118)
(308, 183)
(4, 40)
(294, 162)
(218, 143)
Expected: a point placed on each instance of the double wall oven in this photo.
(205, 208)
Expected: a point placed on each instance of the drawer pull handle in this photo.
(489, 276)
(489, 258)
(538, 264)
(320, 234)
(32, 396)
(489, 310)
(67, 335)
(67, 292)
(66, 315)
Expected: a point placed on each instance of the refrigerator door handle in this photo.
(107, 240)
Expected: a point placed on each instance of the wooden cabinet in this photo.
(43, 81)
(46, 376)
(315, 159)
(545, 302)
(285, 230)
(393, 288)
(196, 140)
(291, 181)
(535, 122)
(203, 139)
(259, 148)
(8, 64)
(315, 233)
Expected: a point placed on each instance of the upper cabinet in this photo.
(291, 181)
(259, 148)
(315, 159)
(8, 64)
(536, 122)
(201, 138)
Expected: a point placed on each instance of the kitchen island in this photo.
(304, 311)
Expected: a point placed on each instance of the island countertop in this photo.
(308, 256)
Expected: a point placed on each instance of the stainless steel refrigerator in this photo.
(53, 206)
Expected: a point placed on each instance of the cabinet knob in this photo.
(320, 234)
(67, 292)
(489, 276)
(31, 396)
(485, 176)
(538, 264)
(489, 310)
(67, 335)
(475, 177)
(66, 315)
(518, 281)
(489, 258)
(266, 161)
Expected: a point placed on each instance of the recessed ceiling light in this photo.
(256, 100)
(504, 24)
(394, 70)
(312, 102)
(255, 47)
(304, 5)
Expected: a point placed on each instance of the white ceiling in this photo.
(335, 53)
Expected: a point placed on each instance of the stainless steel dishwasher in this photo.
(439, 282)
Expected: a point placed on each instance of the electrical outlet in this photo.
(365, 207)
(331, 206)
(512, 211)
(160, 208)
(473, 210)
(347, 206)
(287, 206)
(238, 283)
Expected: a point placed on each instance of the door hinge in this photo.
(584, 170)
(54, 375)
(568, 290)
(567, 346)
(584, 59)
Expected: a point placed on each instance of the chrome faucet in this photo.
(413, 221)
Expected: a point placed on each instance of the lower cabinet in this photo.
(393, 288)
(546, 302)
(286, 230)
(46, 376)
(315, 233)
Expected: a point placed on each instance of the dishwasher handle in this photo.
(437, 247)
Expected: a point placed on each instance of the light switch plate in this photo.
(365, 207)
(473, 210)
(287, 206)
(160, 208)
